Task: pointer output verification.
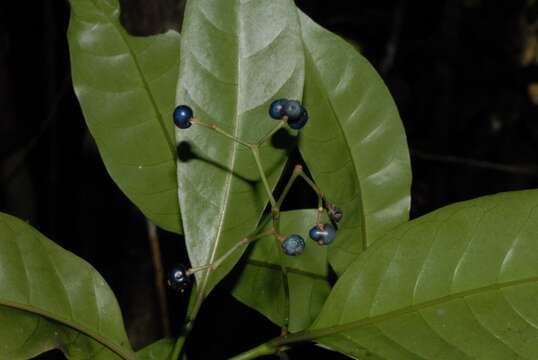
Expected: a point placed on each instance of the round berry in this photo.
(178, 279)
(301, 121)
(293, 245)
(182, 116)
(276, 110)
(335, 214)
(324, 234)
(293, 110)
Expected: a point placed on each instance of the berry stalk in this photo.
(261, 350)
(227, 254)
(220, 131)
(267, 136)
(256, 153)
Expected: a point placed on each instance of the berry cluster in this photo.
(292, 113)
(292, 110)
(282, 109)
(323, 234)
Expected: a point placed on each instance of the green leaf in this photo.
(159, 350)
(49, 298)
(260, 284)
(236, 57)
(126, 88)
(459, 283)
(354, 143)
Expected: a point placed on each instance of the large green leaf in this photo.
(260, 284)
(354, 143)
(126, 87)
(459, 283)
(159, 350)
(49, 298)
(236, 57)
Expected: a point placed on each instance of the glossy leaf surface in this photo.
(236, 57)
(354, 143)
(49, 298)
(159, 350)
(459, 283)
(126, 87)
(260, 284)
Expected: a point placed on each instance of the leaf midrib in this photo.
(229, 176)
(118, 350)
(333, 330)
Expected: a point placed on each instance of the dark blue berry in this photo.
(300, 122)
(293, 110)
(178, 279)
(335, 214)
(323, 235)
(182, 116)
(293, 245)
(276, 110)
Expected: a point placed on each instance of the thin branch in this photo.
(299, 172)
(178, 347)
(529, 170)
(243, 242)
(220, 131)
(392, 43)
(159, 276)
(267, 136)
(257, 159)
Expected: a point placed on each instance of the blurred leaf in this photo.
(126, 88)
(236, 57)
(459, 283)
(533, 93)
(354, 143)
(260, 284)
(49, 298)
(159, 350)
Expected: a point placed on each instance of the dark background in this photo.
(460, 72)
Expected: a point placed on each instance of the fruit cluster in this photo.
(292, 113)
(323, 234)
(290, 110)
(282, 109)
